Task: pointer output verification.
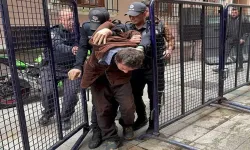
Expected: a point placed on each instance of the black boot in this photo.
(96, 140)
(44, 120)
(66, 125)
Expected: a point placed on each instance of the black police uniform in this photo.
(144, 75)
(62, 43)
(81, 55)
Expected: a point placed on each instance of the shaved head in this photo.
(66, 18)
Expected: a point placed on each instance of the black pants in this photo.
(106, 108)
(228, 49)
(140, 78)
(70, 89)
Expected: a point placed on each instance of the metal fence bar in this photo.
(182, 60)
(50, 47)
(14, 75)
(155, 72)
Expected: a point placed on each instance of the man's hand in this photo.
(242, 41)
(167, 53)
(74, 74)
(74, 50)
(135, 39)
(100, 37)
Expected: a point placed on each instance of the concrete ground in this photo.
(210, 128)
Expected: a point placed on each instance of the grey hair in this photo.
(130, 57)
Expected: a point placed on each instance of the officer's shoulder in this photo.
(86, 25)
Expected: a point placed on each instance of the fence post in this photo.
(14, 74)
(203, 55)
(49, 44)
(223, 22)
(155, 73)
(182, 59)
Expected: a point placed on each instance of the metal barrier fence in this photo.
(189, 81)
(238, 69)
(184, 83)
(30, 33)
(196, 76)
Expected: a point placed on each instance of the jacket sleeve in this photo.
(83, 48)
(169, 36)
(245, 28)
(58, 44)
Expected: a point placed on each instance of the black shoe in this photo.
(66, 125)
(128, 133)
(44, 120)
(240, 69)
(112, 144)
(216, 70)
(139, 123)
(96, 140)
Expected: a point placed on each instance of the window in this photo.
(90, 3)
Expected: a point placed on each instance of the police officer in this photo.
(97, 16)
(138, 15)
(63, 42)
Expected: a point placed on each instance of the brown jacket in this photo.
(93, 70)
(167, 34)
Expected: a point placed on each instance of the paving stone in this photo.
(173, 128)
(210, 122)
(224, 113)
(245, 145)
(158, 146)
(191, 133)
(235, 128)
(220, 140)
(202, 147)
(242, 99)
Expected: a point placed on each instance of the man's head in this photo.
(98, 16)
(129, 59)
(66, 18)
(234, 12)
(137, 13)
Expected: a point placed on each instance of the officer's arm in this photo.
(169, 37)
(82, 52)
(58, 43)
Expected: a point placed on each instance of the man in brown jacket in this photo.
(108, 72)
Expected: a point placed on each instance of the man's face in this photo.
(124, 68)
(137, 19)
(66, 20)
(234, 13)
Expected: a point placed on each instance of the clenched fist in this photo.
(74, 74)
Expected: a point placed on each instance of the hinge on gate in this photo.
(225, 73)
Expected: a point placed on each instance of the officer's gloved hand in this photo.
(74, 74)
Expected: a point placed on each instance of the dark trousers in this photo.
(140, 78)
(105, 98)
(239, 52)
(70, 89)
